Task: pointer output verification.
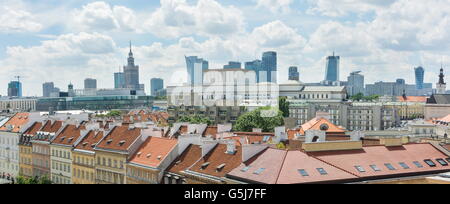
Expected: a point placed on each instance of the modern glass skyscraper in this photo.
(195, 67)
(269, 67)
(255, 66)
(294, 74)
(420, 75)
(119, 80)
(15, 89)
(332, 68)
(233, 65)
(156, 86)
(90, 83)
(47, 89)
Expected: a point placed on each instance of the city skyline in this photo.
(94, 39)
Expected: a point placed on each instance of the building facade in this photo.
(90, 83)
(332, 68)
(294, 75)
(84, 158)
(195, 67)
(156, 86)
(268, 72)
(355, 84)
(119, 80)
(15, 89)
(18, 104)
(420, 75)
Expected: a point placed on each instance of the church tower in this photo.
(441, 87)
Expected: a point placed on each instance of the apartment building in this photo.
(61, 152)
(26, 150)
(113, 151)
(83, 162)
(148, 164)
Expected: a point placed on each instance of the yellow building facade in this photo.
(83, 165)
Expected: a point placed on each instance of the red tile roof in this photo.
(90, 140)
(271, 160)
(217, 157)
(153, 151)
(316, 123)
(421, 99)
(51, 126)
(17, 122)
(297, 160)
(191, 155)
(381, 155)
(69, 135)
(120, 138)
(33, 129)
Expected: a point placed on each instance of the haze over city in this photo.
(68, 41)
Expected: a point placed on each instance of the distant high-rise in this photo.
(157, 85)
(332, 68)
(255, 66)
(131, 73)
(400, 81)
(420, 75)
(47, 89)
(119, 80)
(233, 65)
(355, 83)
(294, 74)
(90, 83)
(195, 67)
(15, 89)
(269, 67)
(70, 90)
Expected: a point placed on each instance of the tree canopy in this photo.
(266, 118)
(195, 119)
(284, 106)
(361, 97)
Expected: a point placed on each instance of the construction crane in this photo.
(18, 78)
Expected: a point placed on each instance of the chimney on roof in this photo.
(231, 147)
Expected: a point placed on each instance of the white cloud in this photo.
(16, 18)
(335, 8)
(176, 18)
(275, 6)
(100, 16)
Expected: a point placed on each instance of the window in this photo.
(303, 172)
(418, 164)
(259, 171)
(390, 167)
(442, 162)
(245, 169)
(403, 165)
(430, 163)
(375, 167)
(360, 169)
(322, 171)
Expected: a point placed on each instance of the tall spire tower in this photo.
(441, 86)
(130, 57)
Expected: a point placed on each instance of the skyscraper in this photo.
(269, 67)
(119, 80)
(233, 65)
(131, 73)
(15, 89)
(90, 83)
(195, 67)
(255, 66)
(47, 89)
(355, 83)
(70, 90)
(420, 75)
(157, 85)
(294, 74)
(332, 68)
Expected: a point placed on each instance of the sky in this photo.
(68, 41)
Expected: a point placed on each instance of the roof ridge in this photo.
(281, 168)
(334, 166)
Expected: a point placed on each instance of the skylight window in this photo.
(303, 172)
(259, 171)
(322, 171)
(390, 167)
(403, 165)
(266, 138)
(245, 169)
(375, 167)
(430, 163)
(220, 167)
(205, 165)
(442, 162)
(360, 169)
(418, 164)
(448, 159)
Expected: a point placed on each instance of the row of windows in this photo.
(61, 153)
(61, 166)
(60, 180)
(141, 174)
(110, 177)
(85, 175)
(9, 141)
(24, 150)
(109, 162)
(83, 161)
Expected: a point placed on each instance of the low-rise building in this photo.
(113, 152)
(26, 150)
(83, 162)
(61, 152)
(148, 164)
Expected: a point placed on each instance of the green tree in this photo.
(357, 97)
(266, 118)
(284, 106)
(195, 119)
(114, 113)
